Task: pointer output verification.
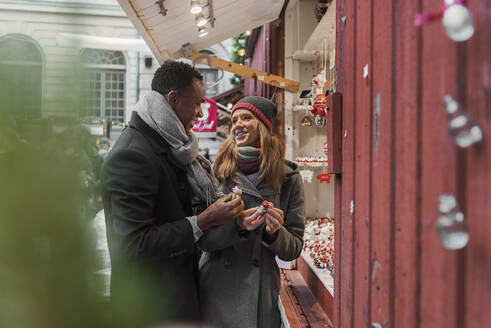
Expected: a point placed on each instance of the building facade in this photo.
(50, 76)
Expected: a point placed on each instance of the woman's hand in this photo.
(274, 219)
(250, 219)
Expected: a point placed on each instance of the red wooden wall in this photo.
(398, 158)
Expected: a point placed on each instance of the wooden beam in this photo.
(245, 71)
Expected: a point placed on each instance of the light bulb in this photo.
(196, 7)
(202, 32)
(462, 127)
(451, 224)
(248, 32)
(201, 20)
(458, 23)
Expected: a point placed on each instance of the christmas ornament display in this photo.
(461, 126)
(319, 242)
(312, 160)
(451, 224)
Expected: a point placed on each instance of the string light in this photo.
(201, 20)
(196, 7)
(202, 32)
(451, 224)
(462, 127)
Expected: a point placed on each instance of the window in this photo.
(104, 74)
(21, 66)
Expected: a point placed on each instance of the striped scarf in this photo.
(249, 159)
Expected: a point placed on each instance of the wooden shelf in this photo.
(323, 289)
(324, 275)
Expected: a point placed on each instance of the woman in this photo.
(239, 277)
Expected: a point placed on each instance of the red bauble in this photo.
(320, 105)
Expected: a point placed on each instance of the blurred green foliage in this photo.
(238, 54)
(48, 195)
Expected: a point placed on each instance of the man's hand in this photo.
(220, 212)
(250, 220)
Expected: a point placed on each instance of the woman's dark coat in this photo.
(239, 277)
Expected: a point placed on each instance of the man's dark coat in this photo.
(153, 255)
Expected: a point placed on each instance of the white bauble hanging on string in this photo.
(457, 21)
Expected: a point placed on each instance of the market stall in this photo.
(309, 58)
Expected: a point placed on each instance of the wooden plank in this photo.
(268, 78)
(439, 282)
(363, 141)
(334, 133)
(344, 227)
(132, 14)
(408, 167)
(293, 311)
(382, 169)
(337, 248)
(316, 317)
(478, 173)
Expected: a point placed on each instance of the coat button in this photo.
(228, 263)
(255, 262)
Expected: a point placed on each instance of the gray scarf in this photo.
(154, 109)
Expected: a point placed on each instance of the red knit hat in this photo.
(264, 109)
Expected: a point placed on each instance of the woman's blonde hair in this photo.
(272, 153)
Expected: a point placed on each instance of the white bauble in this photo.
(458, 23)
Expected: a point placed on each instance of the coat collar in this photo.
(246, 185)
(158, 143)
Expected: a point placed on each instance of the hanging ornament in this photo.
(451, 224)
(320, 121)
(306, 121)
(320, 105)
(456, 20)
(325, 148)
(324, 177)
(462, 127)
(306, 175)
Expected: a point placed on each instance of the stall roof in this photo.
(165, 35)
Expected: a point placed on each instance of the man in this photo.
(155, 187)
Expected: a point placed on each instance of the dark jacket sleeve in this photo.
(289, 240)
(131, 187)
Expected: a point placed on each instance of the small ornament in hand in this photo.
(236, 191)
(264, 206)
(274, 219)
